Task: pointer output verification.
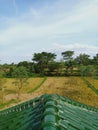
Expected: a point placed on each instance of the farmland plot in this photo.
(93, 81)
(71, 87)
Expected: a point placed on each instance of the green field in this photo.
(71, 87)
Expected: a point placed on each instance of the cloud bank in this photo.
(70, 25)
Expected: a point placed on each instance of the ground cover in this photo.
(71, 87)
(93, 81)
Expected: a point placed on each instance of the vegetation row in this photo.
(45, 64)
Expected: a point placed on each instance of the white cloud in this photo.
(80, 20)
(51, 22)
(76, 47)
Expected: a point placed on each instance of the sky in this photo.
(34, 26)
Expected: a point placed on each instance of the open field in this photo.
(71, 87)
(32, 82)
(11, 90)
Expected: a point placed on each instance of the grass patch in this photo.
(7, 103)
(93, 81)
(90, 86)
(38, 86)
(72, 87)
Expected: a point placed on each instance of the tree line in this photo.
(45, 64)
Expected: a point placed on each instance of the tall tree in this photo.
(68, 58)
(43, 59)
(67, 55)
(54, 68)
(82, 59)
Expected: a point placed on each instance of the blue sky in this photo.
(31, 26)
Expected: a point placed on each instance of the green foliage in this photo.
(95, 59)
(82, 59)
(20, 72)
(44, 64)
(42, 60)
(91, 86)
(53, 66)
(21, 76)
(28, 66)
(38, 86)
(87, 70)
(69, 62)
(67, 55)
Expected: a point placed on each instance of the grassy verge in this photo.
(38, 86)
(93, 81)
(72, 87)
(91, 86)
(7, 103)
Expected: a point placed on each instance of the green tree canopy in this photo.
(95, 59)
(43, 59)
(69, 63)
(67, 55)
(82, 59)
